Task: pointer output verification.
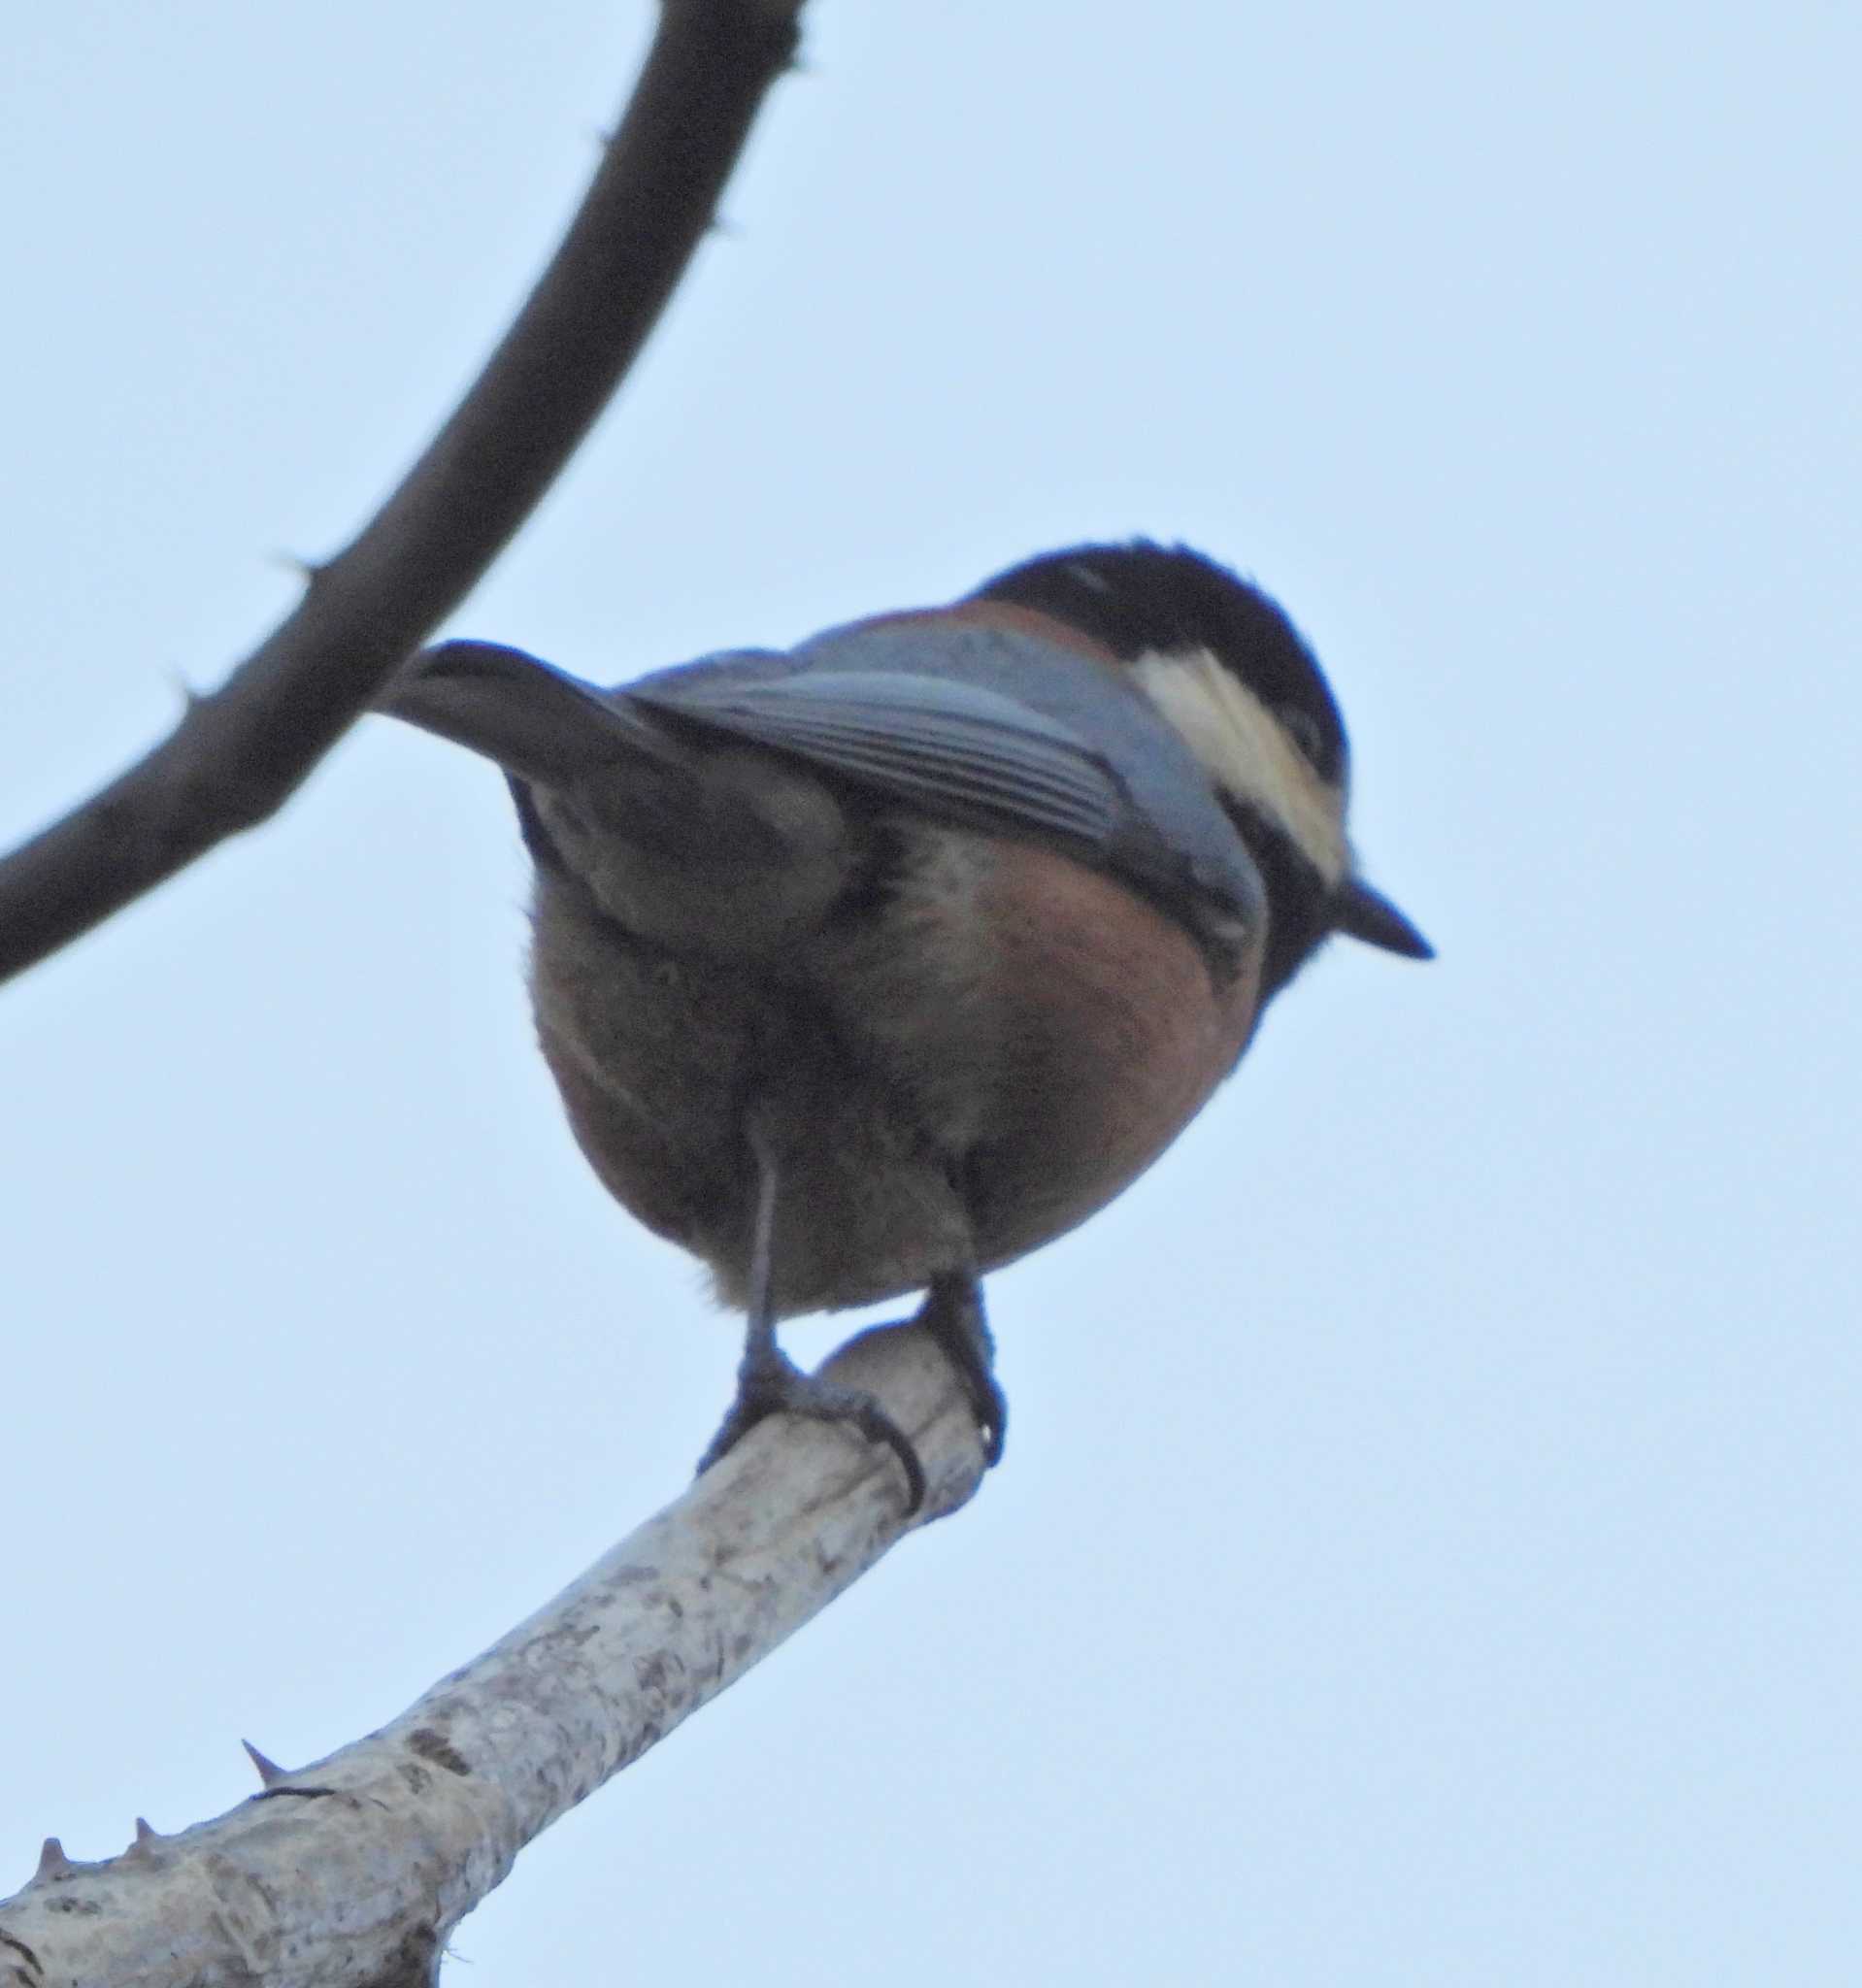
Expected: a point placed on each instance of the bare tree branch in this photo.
(241, 751)
(356, 1869)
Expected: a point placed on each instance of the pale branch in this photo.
(353, 1872)
(240, 751)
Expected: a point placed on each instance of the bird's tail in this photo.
(535, 721)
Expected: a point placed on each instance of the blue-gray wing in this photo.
(994, 728)
(953, 750)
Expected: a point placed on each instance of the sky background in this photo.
(1428, 1547)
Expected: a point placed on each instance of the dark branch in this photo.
(239, 753)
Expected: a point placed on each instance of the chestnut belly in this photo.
(1115, 1030)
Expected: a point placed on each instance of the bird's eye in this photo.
(1302, 728)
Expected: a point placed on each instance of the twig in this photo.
(239, 752)
(356, 1869)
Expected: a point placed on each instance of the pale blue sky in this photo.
(1429, 1542)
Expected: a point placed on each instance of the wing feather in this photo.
(953, 749)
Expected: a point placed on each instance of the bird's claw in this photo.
(952, 1315)
(776, 1387)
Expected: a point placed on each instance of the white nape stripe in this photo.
(1246, 750)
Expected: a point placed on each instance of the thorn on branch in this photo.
(53, 1862)
(269, 1770)
(309, 571)
(277, 1778)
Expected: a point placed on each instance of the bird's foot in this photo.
(952, 1316)
(770, 1384)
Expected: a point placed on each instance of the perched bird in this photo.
(867, 966)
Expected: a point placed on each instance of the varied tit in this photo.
(868, 966)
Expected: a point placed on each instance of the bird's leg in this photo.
(952, 1315)
(770, 1384)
